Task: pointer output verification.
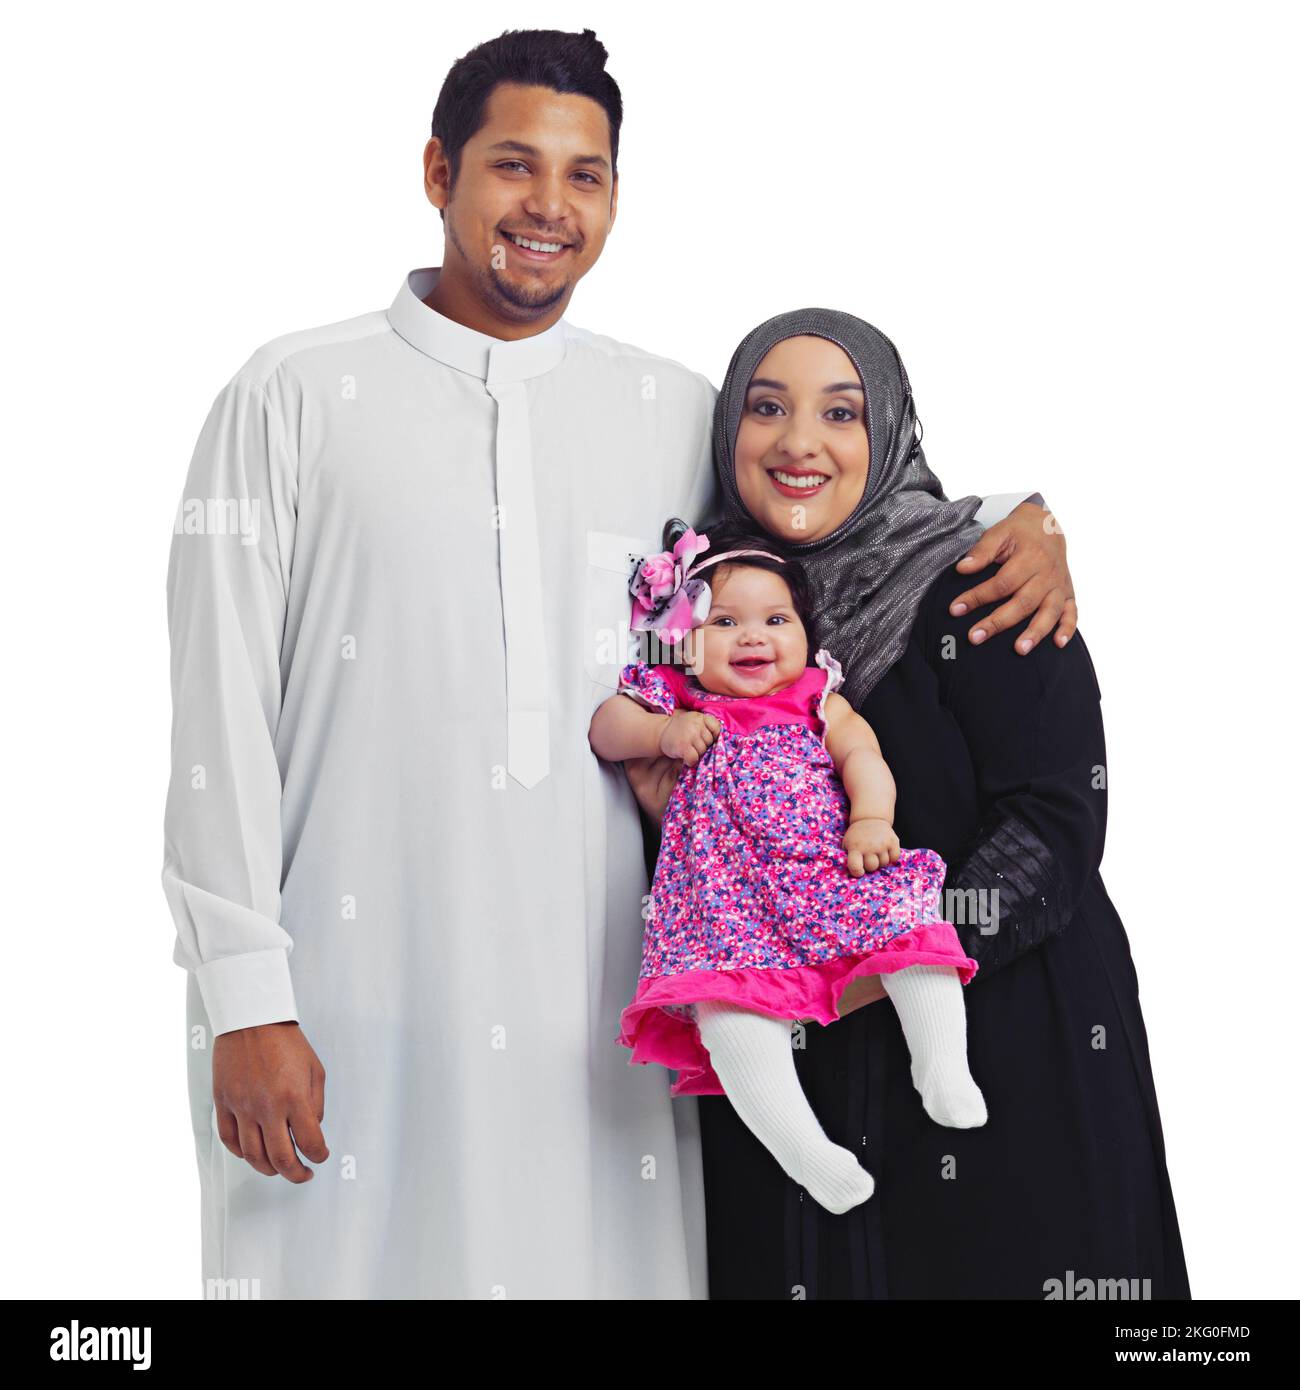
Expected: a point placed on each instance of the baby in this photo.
(780, 878)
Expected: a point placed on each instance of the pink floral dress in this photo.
(752, 901)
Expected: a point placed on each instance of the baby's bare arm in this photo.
(856, 753)
(617, 734)
(622, 728)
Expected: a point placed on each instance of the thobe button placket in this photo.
(504, 366)
(528, 743)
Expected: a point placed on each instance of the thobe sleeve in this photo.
(1001, 504)
(1033, 727)
(694, 493)
(227, 584)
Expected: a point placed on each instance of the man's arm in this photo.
(226, 587)
(999, 505)
(1029, 546)
(696, 496)
(226, 600)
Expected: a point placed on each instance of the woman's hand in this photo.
(652, 781)
(1034, 578)
(870, 845)
(688, 735)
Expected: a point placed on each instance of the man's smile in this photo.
(535, 248)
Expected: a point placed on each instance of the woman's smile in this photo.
(797, 482)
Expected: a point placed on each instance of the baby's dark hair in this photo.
(725, 536)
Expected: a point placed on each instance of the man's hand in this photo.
(653, 780)
(269, 1089)
(1034, 578)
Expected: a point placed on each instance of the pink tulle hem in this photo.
(800, 992)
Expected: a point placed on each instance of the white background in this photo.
(1077, 222)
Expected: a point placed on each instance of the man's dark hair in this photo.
(566, 63)
(725, 536)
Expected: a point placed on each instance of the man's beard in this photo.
(516, 303)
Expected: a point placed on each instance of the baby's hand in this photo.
(688, 735)
(870, 845)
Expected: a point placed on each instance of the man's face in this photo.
(537, 170)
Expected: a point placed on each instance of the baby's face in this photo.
(752, 642)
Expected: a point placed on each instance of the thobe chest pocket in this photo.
(608, 642)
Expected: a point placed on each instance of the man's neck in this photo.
(456, 301)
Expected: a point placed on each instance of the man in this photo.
(402, 553)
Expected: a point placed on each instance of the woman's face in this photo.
(753, 641)
(802, 456)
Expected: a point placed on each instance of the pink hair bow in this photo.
(665, 598)
(668, 597)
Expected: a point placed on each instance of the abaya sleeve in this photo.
(1033, 728)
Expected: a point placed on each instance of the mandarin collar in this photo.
(466, 349)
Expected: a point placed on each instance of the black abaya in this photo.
(999, 761)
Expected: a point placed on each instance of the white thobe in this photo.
(397, 591)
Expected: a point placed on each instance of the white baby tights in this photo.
(752, 1056)
(932, 1011)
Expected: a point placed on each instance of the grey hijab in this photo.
(869, 574)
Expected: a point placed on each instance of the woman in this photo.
(1000, 764)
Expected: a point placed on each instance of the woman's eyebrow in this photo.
(771, 608)
(832, 390)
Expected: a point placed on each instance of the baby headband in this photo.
(668, 597)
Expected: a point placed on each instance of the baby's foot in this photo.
(834, 1178)
(951, 1097)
